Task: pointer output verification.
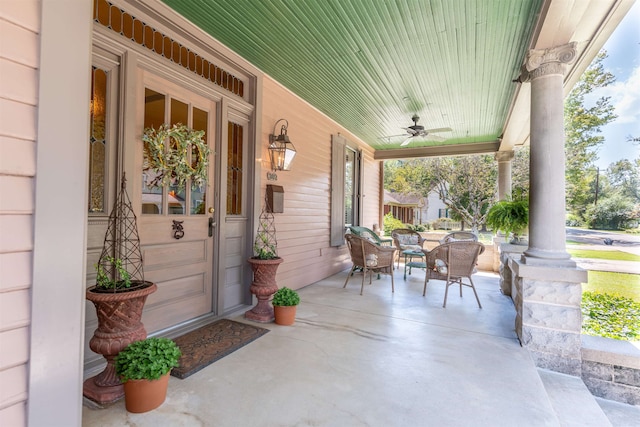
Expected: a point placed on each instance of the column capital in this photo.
(542, 62)
(504, 156)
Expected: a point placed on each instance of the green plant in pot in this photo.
(510, 217)
(284, 302)
(144, 367)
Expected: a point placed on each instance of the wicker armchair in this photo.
(369, 234)
(406, 239)
(369, 257)
(452, 262)
(459, 235)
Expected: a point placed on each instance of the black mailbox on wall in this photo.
(275, 198)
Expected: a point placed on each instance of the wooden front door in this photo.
(177, 225)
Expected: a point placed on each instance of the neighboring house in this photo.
(404, 207)
(78, 87)
(414, 209)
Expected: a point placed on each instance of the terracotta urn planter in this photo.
(263, 286)
(119, 324)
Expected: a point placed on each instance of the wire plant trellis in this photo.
(266, 246)
(120, 264)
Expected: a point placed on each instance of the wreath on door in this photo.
(176, 154)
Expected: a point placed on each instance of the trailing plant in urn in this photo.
(118, 296)
(265, 246)
(264, 264)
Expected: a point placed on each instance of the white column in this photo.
(545, 69)
(504, 159)
(546, 283)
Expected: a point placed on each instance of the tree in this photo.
(467, 186)
(624, 176)
(520, 173)
(582, 127)
(414, 177)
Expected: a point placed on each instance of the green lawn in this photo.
(610, 255)
(622, 284)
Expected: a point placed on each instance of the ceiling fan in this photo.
(417, 130)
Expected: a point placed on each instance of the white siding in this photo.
(19, 39)
(303, 230)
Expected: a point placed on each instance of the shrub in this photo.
(148, 359)
(285, 297)
(573, 221)
(441, 224)
(391, 223)
(610, 316)
(611, 213)
(418, 227)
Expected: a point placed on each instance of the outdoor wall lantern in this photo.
(281, 149)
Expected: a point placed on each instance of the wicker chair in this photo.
(369, 234)
(369, 257)
(459, 235)
(405, 239)
(452, 262)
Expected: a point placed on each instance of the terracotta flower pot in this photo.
(145, 395)
(285, 315)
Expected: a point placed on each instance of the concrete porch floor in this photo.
(381, 359)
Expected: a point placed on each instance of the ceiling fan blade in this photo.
(406, 141)
(435, 138)
(439, 130)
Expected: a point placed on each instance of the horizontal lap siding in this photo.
(19, 39)
(303, 227)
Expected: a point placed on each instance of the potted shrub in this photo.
(144, 367)
(264, 265)
(510, 217)
(284, 302)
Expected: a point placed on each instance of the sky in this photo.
(623, 48)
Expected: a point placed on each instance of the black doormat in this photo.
(211, 342)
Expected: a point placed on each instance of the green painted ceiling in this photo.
(371, 64)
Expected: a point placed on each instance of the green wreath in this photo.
(173, 163)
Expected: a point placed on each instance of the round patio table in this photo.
(409, 262)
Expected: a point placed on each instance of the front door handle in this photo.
(211, 224)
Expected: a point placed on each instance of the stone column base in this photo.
(507, 252)
(548, 316)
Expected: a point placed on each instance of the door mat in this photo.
(211, 342)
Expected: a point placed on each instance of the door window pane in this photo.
(154, 113)
(234, 169)
(198, 195)
(98, 141)
(177, 195)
